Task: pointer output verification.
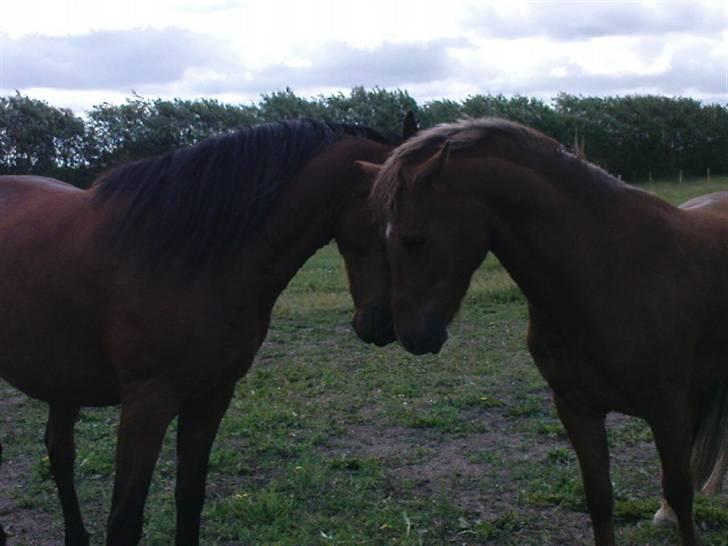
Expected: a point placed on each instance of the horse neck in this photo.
(561, 240)
(307, 214)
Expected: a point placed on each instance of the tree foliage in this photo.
(38, 138)
(636, 137)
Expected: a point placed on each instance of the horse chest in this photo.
(574, 372)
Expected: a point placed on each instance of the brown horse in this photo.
(628, 295)
(154, 289)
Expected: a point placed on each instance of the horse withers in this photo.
(627, 295)
(154, 289)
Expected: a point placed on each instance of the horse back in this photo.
(20, 194)
(711, 203)
(707, 217)
(40, 212)
(25, 184)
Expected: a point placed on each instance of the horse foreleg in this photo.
(197, 427)
(61, 454)
(673, 438)
(145, 414)
(588, 436)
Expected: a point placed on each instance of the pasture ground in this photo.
(329, 441)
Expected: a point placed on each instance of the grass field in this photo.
(330, 441)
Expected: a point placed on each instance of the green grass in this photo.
(330, 441)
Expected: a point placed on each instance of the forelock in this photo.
(460, 135)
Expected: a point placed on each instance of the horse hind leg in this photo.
(710, 449)
(714, 485)
(709, 458)
(59, 440)
(3, 536)
(665, 517)
(673, 440)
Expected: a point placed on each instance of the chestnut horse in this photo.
(627, 295)
(154, 289)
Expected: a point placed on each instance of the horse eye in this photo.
(413, 242)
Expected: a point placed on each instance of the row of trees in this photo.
(636, 137)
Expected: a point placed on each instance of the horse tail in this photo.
(710, 448)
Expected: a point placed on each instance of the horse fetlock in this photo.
(664, 517)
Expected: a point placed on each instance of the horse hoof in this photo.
(664, 517)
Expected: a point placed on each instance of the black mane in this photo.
(201, 202)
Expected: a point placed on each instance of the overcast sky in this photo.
(77, 53)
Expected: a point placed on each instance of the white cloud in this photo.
(566, 20)
(622, 55)
(106, 59)
(238, 49)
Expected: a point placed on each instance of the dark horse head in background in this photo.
(154, 289)
(627, 294)
(203, 183)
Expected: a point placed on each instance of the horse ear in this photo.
(371, 170)
(431, 171)
(409, 126)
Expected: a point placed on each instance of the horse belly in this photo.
(51, 342)
(52, 371)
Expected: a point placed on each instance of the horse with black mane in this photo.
(153, 289)
(627, 294)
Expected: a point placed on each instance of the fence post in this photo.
(707, 177)
(679, 177)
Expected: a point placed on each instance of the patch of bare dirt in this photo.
(433, 464)
(24, 526)
(488, 488)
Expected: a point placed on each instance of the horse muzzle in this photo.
(429, 340)
(373, 324)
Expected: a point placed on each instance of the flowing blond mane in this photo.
(509, 139)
